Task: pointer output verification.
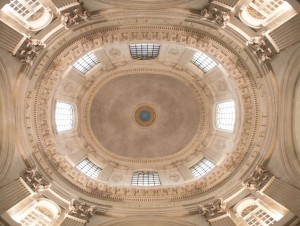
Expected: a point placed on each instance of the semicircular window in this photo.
(202, 167)
(225, 115)
(144, 51)
(204, 62)
(142, 178)
(64, 116)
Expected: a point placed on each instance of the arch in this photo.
(40, 212)
(29, 13)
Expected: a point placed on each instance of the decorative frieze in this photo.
(34, 179)
(81, 210)
(258, 180)
(216, 16)
(52, 74)
(30, 50)
(73, 17)
(261, 48)
(213, 209)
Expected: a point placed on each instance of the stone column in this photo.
(64, 3)
(286, 34)
(72, 221)
(10, 39)
(265, 183)
(224, 220)
(283, 193)
(13, 193)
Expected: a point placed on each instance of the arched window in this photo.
(64, 116)
(41, 213)
(204, 62)
(258, 13)
(256, 213)
(89, 168)
(30, 13)
(142, 178)
(225, 115)
(202, 167)
(144, 51)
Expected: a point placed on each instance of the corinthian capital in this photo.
(259, 178)
(34, 179)
(213, 209)
(81, 210)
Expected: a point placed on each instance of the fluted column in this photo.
(224, 220)
(286, 34)
(13, 193)
(72, 221)
(227, 4)
(10, 39)
(263, 182)
(283, 193)
(64, 3)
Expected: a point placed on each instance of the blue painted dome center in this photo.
(145, 116)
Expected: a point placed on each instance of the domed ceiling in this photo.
(147, 115)
(144, 115)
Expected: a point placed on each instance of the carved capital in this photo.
(34, 179)
(213, 209)
(217, 16)
(262, 48)
(30, 50)
(74, 16)
(258, 180)
(81, 210)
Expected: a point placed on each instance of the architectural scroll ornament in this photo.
(35, 180)
(213, 209)
(258, 179)
(261, 48)
(74, 17)
(217, 16)
(31, 49)
(81, 210)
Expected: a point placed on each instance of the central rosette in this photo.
(145, 115)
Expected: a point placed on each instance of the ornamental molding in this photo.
(248, 146)
(261, 48)
(260, 177)
(35, 180)
(81, 210)
(213, 209)
(74, 16)
(30, 50)
(217, 16)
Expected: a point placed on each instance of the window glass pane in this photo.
(225, 115)
(64, 116)
(36, 217)
(89, 168)
(204, 62)
(141, 178)
(202, 167)
(85, 63)
(144, 51)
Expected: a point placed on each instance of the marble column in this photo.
(286, 34)
(13, 193)
(283, 193)
(10, 39)
(73, 221)
(224, 220)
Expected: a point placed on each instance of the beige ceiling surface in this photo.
(112, 115)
